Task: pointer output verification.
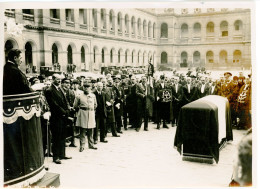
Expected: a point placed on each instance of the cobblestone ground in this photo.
(142, 160)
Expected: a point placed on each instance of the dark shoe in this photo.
(72, 145)
(116, 135)
(120, 132)
(57, 161)
(81, 149)
(125, 128)
(66, 157)
(158, 127)
(104, 141)
(46, 155)
(137, 129)
(146, 129)
(95, 142)
(93, 148)
(165, 126)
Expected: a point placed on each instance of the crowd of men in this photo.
(98, 107)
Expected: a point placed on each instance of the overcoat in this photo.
(86, 114)
(145, 99)
(109, 97)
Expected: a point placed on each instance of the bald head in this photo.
(99, 86)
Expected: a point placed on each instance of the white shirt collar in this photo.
(11, 62)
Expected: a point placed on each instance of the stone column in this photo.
(90, 20)
(178, 33)
(114, 23)
(107, 23)
(62, 18)
(99, 20)
(203, 33)
(48, 57)
(77, 60)
(123, 26)
(19, 15)
(63, 60)
(76, 18)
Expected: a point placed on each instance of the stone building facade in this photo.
(95, 38)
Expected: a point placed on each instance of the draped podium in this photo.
(204, 127)
(23, 149)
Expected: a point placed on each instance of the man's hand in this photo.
(118, 105)
(108, 104)
(47, 115)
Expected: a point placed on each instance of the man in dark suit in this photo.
(118, 104)
(203, 88)
(125, 90)
(226, 87)
(14, 80)
(213, 89)
(110, 99)
(101, 114)
(177, 95)
(189, 92)
(145, 98)
(132, 102)
(70, 97)
(58, 121)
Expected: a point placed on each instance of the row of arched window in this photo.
(130, 23)
(133, 26)
(126, 56)
(196, 58)
(122, 56)
(196, 28)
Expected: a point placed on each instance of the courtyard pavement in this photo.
(144, 159)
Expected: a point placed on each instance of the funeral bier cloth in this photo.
(198, 121)
(224, 116)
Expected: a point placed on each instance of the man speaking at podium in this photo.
(14, 81)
